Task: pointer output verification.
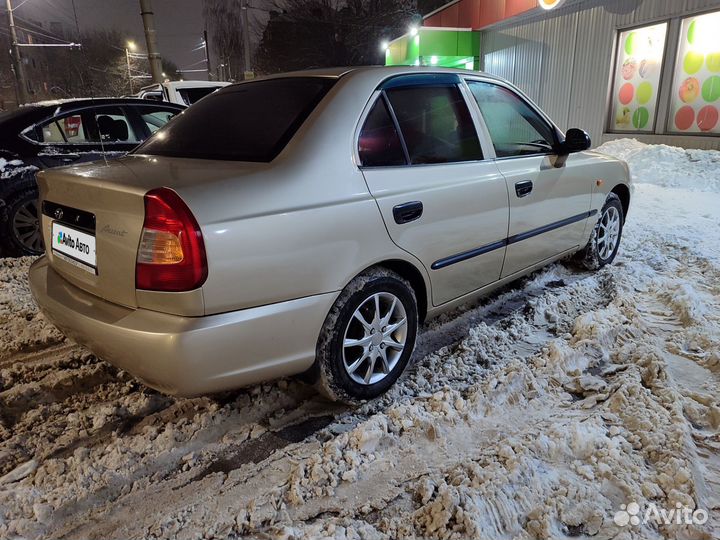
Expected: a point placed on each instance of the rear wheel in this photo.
(368, 337)
(20, 227)
(605, 240)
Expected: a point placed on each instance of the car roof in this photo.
(76, 103)
(382, 72)
(185, 84)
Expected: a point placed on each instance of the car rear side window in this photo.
(68, 129)
(515, 128)
(379, 144)
(246, 122)
(435, 123)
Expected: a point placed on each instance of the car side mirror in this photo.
(576, 140)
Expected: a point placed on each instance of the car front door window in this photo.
(515, 128)
(155, 119)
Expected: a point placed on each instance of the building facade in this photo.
(648, 69)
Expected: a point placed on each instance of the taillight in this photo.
(171, 256)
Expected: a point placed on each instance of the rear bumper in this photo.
(186, 355)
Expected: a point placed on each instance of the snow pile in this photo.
(668, 166)
(23, 326)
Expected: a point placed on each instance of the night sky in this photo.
(179, 23)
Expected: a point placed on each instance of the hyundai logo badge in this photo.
(58, 213)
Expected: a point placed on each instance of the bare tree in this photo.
(320, 33)
(224, 21)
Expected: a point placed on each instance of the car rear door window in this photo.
(114, 125)
(435, 123)
(379, 144)
(515, 128)
(250, 121)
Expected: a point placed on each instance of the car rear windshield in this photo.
(246, 122)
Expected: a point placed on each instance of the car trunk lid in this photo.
(113, 194)
(81, 210)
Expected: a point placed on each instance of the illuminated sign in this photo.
(550, 4)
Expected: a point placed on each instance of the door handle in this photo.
(407, 212)
(524, 188)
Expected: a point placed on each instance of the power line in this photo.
(41, 34)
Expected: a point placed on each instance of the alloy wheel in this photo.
(375, 338)
(608, 232)
(26, 227)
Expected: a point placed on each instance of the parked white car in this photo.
(310, 221)
(180, 92)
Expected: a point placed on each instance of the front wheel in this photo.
(368, 337)
(605, 240)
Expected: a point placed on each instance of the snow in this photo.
(668, 166)
(4, 163)
(535, 413)
(14, 167)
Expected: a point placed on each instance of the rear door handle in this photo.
(407, 212)
(524, 188)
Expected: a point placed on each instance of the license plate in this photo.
(75, 247)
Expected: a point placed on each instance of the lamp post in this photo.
(130, 46)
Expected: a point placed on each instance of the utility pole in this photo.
(151, 39)
(17, 65)
(207, 56)
(127, 57)
(246, 36)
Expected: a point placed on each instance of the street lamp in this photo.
(129, 46)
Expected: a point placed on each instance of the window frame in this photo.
(662, 101)
(668, 66)
(673, 64)
(557, 133)
(396, 81)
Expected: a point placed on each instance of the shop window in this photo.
(636, 84)
(695, 99)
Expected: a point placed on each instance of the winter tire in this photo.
(368, 337)
(20, 226)
(605, 240)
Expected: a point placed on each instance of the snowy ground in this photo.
(535, 414)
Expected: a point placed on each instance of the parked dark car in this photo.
(52, 134)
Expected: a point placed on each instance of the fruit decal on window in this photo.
(696, 82)
(637, 77)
